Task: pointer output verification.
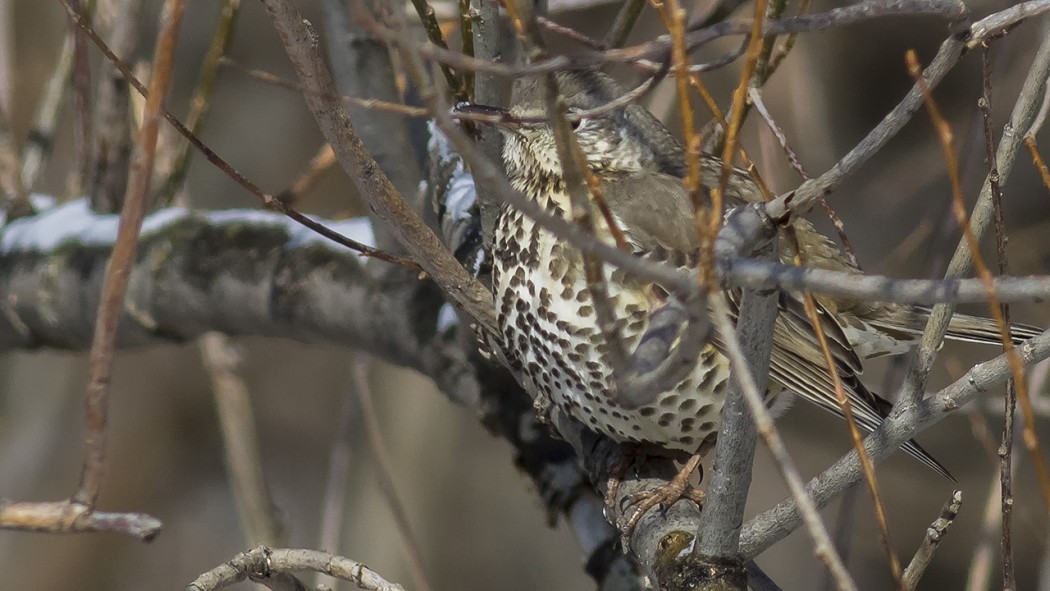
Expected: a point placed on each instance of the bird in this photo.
(549, 330)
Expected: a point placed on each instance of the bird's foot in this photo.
(665, 496)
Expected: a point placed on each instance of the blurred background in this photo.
(480, 525)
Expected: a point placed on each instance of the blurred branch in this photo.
(268, 200)
(207, 74)
(73, 517)
(362, 392)
(109, 176)
(258, 514)
(271, 567)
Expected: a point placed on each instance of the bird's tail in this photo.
(977, 329)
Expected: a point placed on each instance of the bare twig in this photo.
(1010, 394)
(267, 199)
(376, 104)
(301, 45)
(116, 282)
(625, 20)
(270, 566)
(384, 475)
(72, 517)
(433, 30)
(319, 164)
(42, 135)
(972, 244)
(259, 516)
(866, 464)
(207, 74)
(997, 23)
(81, 175)
(899, 427)
(934, 534)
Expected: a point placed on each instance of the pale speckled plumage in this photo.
(547, 317)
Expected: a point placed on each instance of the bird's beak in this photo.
(487, 114)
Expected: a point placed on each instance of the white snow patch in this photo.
(75, 222)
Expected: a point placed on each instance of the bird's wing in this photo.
(657, 218)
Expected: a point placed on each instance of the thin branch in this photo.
(803, 198)
(934, 534)
(115, 284)
(42, 135)
(267, 199)
(362, 391)
(207, 74)
(264, 565)
(80, 178)
(63, 517)
(624, 23)
(258, 514)
(1010, 393)
(997, 23)
(921, 368)
(433, 30)
(301, 45)
(772, 525)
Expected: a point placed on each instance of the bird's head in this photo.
(615, 141)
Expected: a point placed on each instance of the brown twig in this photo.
(466, 33)
(1010, 393)
(275, 80)
(207, 74)
(80, 177)
(674, 19)
(362, 391)
(268, 200)
(840, 228)
(321, 162)
(736, 116)
(300, 43)
(934, 534)
(959, 209)
(433, 30)
(858, 442)
(117, 274)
